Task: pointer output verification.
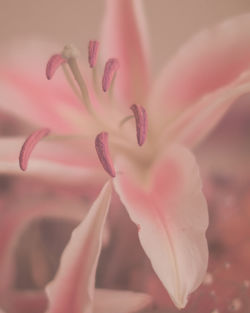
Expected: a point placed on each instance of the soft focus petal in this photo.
(28, 301)
(72, 290)
(14, 221)
(124, 39)
(114, 301)
(63, 161)
(27, 94)
(211, 60)
(171, 215)
(198, 120)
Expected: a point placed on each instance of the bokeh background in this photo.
(171, 22)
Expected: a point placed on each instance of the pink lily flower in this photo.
(154, 172)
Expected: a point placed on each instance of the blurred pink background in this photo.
(170, 22)
(227, 184)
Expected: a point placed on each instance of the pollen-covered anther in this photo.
(141, 121)
(93, 52)
(102, 149)
(29, 146)
(53, 64)
(110, 69)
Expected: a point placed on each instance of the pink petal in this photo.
(28, 95)
(66, 161)
(114, 301)
(171, 213)
(124, 39)
(196, 123)
(211, 60)
(72, 290)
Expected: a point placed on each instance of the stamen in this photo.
(101, 145)
(125, 119)
(111, 67)
(54, 62)
(141, 121)
(29, 145)
(93, 51)
(71, 53)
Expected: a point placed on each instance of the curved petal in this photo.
(114, 301)
(211, 60)
(69, 161)
(198, 120)
(27, 94)
(72, 290)
(124, 38)
(171, 213)
(13, 222)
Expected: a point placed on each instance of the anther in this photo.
(29, 145)
(110, 70)
(54, 62)
(102, 149)
(141, 121)
(93, 51)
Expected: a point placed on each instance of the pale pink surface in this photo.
(124, 38)
(25, 94)
(170, 211)
(72, 290)
(60, 161)
(211, 60)
(198, 120)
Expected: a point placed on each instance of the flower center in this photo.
(118, 138)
